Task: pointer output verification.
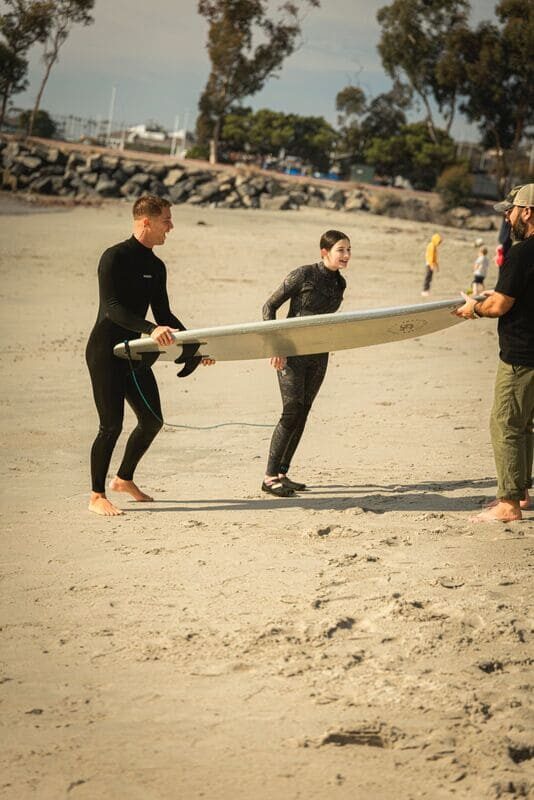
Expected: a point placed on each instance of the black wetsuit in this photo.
(130, 278)
(312, 289)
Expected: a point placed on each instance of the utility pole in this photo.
(172, 151)
(186, 121)
(110, 115)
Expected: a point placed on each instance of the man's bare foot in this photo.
(524, 503)
(120, 485)
(502, 511)
(100, 504)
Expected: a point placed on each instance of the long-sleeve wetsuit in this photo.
(312, 289)
(130, 278)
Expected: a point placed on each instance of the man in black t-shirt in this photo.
(512, 417)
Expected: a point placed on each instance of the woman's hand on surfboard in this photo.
(279, 362)
(207, 362)
(163, 334)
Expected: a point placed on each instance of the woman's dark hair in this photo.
(329, 239)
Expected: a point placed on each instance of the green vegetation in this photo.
(43, 124)
(62, 15)
(416, 153)
(239, 67)
(267, 132)
(455, 185)
(24, 24)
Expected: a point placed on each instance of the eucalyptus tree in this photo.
(25, 23)
(63, 15)
(417, 37)
(498, 81)
(246, 46)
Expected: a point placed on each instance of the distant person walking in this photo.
(512, 416)
(480, 270)
(432, 262)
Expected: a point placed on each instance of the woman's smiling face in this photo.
(338, 256)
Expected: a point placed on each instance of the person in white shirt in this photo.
(480, 270)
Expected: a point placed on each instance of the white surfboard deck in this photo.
(298, 336)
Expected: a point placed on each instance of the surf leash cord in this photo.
(172, 425)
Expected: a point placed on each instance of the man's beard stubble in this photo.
(518, 231)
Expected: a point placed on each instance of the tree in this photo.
(455, 185)
(22, 26)
(313, 140)
(63, 15)
(361, 121)
(414, 154)
(385, 113)
(235, 133)
(418, 36)
(239, 67)
(351, 104)
(266, 132)
(498, 81)
(43, 126)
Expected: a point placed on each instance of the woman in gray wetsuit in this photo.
(312, 289)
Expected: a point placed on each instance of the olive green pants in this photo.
(512, 429)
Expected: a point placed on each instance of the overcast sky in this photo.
(154, 54)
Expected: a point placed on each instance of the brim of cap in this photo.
(504, 205)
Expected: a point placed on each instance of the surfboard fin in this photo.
(188, 358)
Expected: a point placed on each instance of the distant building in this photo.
(364, 173)
(151, 132)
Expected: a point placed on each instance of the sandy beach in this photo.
(362, 640)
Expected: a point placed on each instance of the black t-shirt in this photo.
(516, 328)
(131, 278)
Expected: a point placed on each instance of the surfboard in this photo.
(301, 335)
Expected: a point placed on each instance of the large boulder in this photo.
(158, 171)
(44, 185)
(208, 191)
(459, 215)
(280, 202)
(110, 163)
(130, 168)
(93, 162)
(91, 178)
(356, 204)
(75, 160)
(479, 223)
(28, 163)
(9, 181)
(106, 187)
(335, 198)
(173, 177)
(130, 190)
(180, 191)
(383, 202)
(232, 200)
(141, 179)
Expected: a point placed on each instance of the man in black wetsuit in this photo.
(131, 278)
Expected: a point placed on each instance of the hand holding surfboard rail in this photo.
(296, 336)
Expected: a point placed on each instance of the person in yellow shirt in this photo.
(432, 263)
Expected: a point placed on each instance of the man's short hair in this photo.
(149, 205)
